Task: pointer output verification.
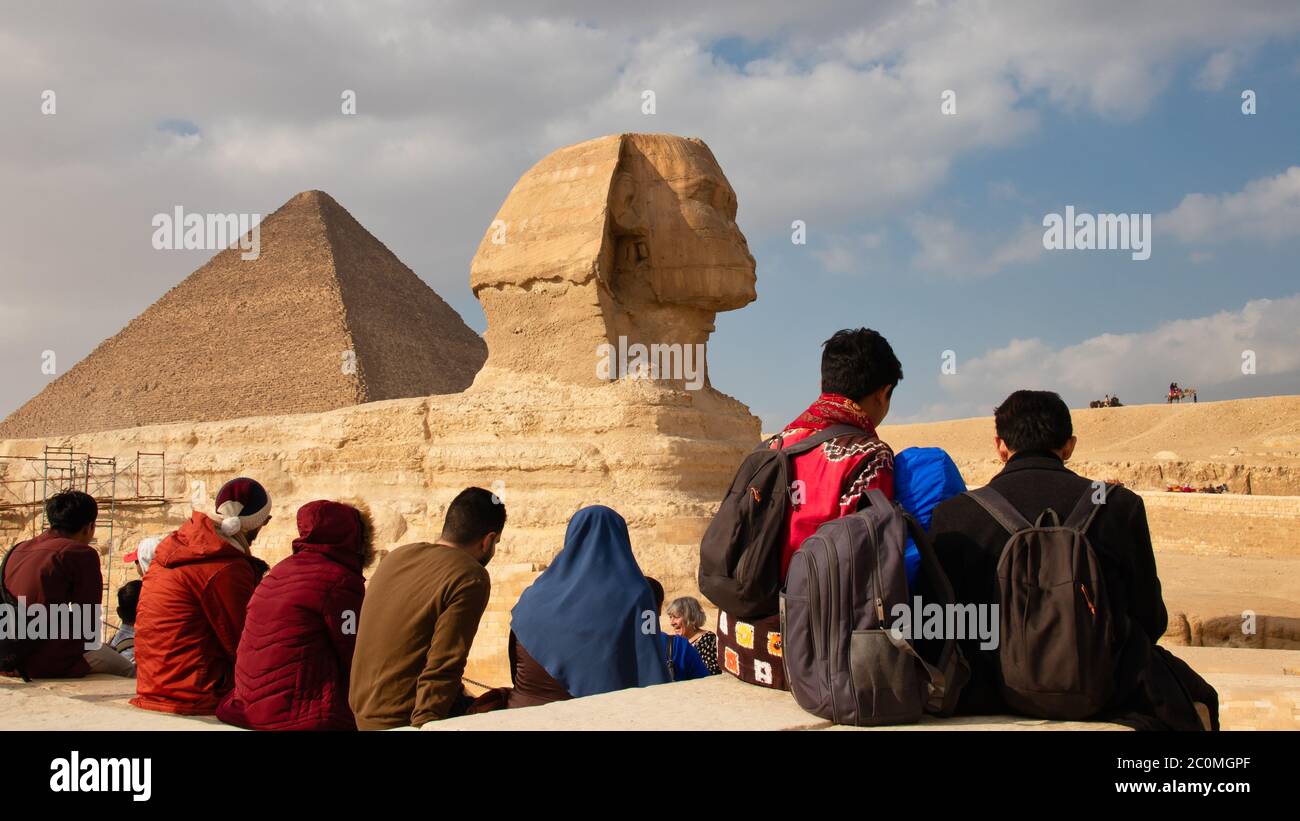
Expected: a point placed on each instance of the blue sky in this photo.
(1190, 140)
(923, 226)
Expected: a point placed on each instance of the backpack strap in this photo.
(1002, 511)
(19, 668)
(668, 640)
(951, 673)
(1085, 511)
(945, 681)
(814, 440)
(4, 564)
(4, 568)
(1048, 518)
(875, 497)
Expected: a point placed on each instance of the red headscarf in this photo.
(832, 409)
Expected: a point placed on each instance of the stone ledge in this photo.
(715, 703)
(1256, 691)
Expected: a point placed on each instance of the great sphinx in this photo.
(630, 237)
(621, 240)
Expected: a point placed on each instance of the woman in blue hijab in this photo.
(589, 623)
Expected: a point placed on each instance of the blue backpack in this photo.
(923, 478)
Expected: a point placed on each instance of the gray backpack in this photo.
(841, 661)
(1058, 632)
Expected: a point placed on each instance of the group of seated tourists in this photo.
(311, 644)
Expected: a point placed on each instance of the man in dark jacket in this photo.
(1035, 438)
(60, 568)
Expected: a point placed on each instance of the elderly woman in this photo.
(687, 618)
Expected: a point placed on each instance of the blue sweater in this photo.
(687, 663)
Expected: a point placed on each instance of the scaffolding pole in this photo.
(61, 467)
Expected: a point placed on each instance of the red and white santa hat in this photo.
(243, 505)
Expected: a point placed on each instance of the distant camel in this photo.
(1181, 394)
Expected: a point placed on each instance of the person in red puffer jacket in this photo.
(193, 601)
(295, 657)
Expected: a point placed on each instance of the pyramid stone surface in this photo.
(269, 336)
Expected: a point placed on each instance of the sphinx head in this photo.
(631, 236)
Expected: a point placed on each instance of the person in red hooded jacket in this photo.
(295, 657)
(193, 603)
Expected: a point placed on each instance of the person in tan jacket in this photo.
(421, 611)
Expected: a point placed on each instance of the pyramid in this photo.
(325, 317)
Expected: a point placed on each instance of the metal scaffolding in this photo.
(28, 481)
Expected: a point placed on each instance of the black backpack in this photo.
(12, 648)
(844, 659)
(1058, 640)
(740, 554)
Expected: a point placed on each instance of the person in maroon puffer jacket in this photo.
(294, 660)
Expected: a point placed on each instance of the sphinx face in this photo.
(673, 220)
(627, 237)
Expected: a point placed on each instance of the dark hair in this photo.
(857, 363)
(473, 514)
(1033, 420)
(656, 590)
(260, 569)
(69, 511)
(128, 599)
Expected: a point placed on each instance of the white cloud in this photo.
(847, 255)
(1267, 209)
(1214, 75)
(1005, 190)
(1201, 352)
(1116, 58)
(954, 252)
(837, 259)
